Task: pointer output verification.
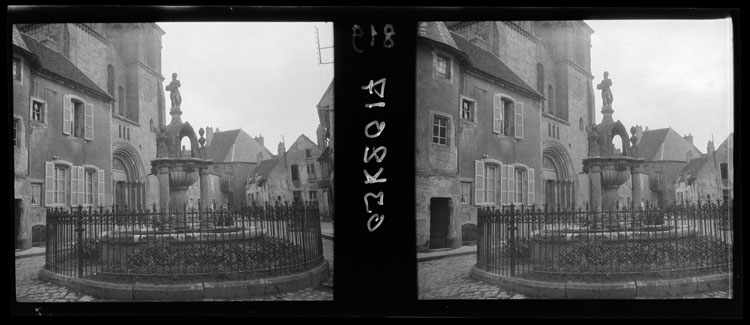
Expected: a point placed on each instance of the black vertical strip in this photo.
(375, 268)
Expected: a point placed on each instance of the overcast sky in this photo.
(667, 73)
(261, 77)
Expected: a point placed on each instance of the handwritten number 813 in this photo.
(388, 32)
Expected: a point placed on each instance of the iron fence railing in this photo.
(243, 242)
(539, 242)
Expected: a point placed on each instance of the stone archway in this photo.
(558, 177)
(128, 177)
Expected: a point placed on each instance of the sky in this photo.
(667, 73)
(261, 77)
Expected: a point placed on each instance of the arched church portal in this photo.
(558, 177)
(128, 178)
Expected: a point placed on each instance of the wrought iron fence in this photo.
(127, 245)
(541, 242)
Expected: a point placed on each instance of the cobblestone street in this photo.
(30, 289)
(448, 278)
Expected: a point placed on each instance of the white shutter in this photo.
(49, 184)
(478, 181)
(81, 185)
(74, 186)
(67, 114)
(519, 120)
(531, 186)
(497, 114)
(100, 187)
(89, 132)
(511, 183)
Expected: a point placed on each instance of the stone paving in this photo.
(30, 289)
(449, 278)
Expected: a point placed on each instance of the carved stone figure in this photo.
(605, 85)
(174, 92)
(161, 143)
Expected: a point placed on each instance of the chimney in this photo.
(710, 147)
(209, 135)
(638, 133)
(689, 138)
(259, 140)
(259, 157)
(281, 149)
(321, 133)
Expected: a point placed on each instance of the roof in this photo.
(664, 144)
(487, 62)
(263, 170)
(57, 64)
(302, 137)
(227, 146)
(326, 102)
(436, 31)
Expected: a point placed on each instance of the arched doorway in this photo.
(557, 176)
(128, 177)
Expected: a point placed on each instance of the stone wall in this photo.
(428, 187)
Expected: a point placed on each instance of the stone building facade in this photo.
(235, 154)
(325, 132)
(502, 110)
(114, 72)
(709, 177)
(62, 144)
(292, 175)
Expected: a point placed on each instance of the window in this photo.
(36, 194)
(311, 171)
(467, 109)
(88, 188)
(724, 171)
(38, 109)
(313, 195)
(465, 192)
(16, 132)
(120, 101)
(17, 70)
(443, 66)
(297, 196)
(440, 130)
(308, 153)
(519, 186)
(59, 189)
(78, 118)
(295, 172)
(550, 100)
(490, 183)
(111, 79)
(507, 116)
(580, 123)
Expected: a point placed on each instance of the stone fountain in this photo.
(607, 170)
(177, 172)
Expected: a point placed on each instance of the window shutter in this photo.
(531, 186)
(497, 114)
(100, 187)
(74, 186)
(81, 185)
(478, 181)
(66, 114)
(519, 120)
(89, 132)
(49, 185)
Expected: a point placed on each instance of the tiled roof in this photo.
(221, 145)
(227, 146)
(665, 144)
(56, 63)
(436, 31)
(651, 143)
(487, 62)
(263, 169)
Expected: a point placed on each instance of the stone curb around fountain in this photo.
(191, 291)
(619, 290)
